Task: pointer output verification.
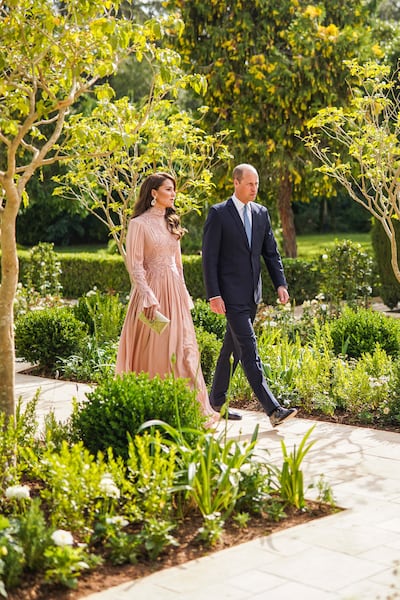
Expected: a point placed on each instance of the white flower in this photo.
(118, 521)
(108, 487)
(62, 538)
(20, 492)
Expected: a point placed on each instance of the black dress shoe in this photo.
(227, 413)
(280, 415)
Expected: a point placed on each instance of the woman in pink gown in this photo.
(154, 263)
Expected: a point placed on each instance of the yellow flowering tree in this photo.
(270, 65)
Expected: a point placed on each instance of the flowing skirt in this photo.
(175, 349)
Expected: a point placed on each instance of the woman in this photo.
(155, 267)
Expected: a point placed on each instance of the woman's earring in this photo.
(153, 202)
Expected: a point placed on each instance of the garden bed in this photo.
(108, 575)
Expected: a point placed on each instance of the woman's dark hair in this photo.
(153, 182)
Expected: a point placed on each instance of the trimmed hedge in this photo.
(302, 277)
(82, 272)
(85, 271)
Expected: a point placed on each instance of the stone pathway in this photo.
(352, 555)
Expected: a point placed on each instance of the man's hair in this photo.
(239, 169)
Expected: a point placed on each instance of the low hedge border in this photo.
(82, 272)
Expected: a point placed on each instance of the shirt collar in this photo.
(239, 204)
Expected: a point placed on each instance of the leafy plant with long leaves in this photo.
(214, 473)
(291, 476)
(210, 468)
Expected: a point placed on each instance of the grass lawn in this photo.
(311, 246)
(308, 246)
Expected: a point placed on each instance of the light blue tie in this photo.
(246, 223)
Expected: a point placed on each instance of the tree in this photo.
(359, 145)
(270, 65)
(114, 148)
(51, 54)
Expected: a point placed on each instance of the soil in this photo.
(189, 548)
(340, 417)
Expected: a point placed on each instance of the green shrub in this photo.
(362, 387)
(44, 336)
(358, 331)
(203, 317)
(303, 280)
(71, 486)
(120, 405)
(44, 270)
(93, 363)
(103, 314)
(346, 273)
(209, 346)
(193, 270)
(12, 556)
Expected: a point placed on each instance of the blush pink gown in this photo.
(155, 267)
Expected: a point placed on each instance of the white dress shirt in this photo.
(240, 208)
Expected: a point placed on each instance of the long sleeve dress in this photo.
(155, 267)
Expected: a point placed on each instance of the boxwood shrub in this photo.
(120, 405)
(44, 336)
(358, 331)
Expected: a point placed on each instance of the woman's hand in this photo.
(150, 312)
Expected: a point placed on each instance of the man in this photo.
(233, 243)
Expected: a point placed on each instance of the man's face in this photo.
(246, 189)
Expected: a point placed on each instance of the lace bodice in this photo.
(152, 252)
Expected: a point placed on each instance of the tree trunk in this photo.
(286, 216)
(8, 287)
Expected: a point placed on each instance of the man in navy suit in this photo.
(237, 233)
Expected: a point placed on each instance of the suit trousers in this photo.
(240, 343)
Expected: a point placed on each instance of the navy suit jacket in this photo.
(231, 268)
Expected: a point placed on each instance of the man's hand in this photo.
(217, 305)
(283, 294)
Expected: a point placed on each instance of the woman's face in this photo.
(165, 195)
